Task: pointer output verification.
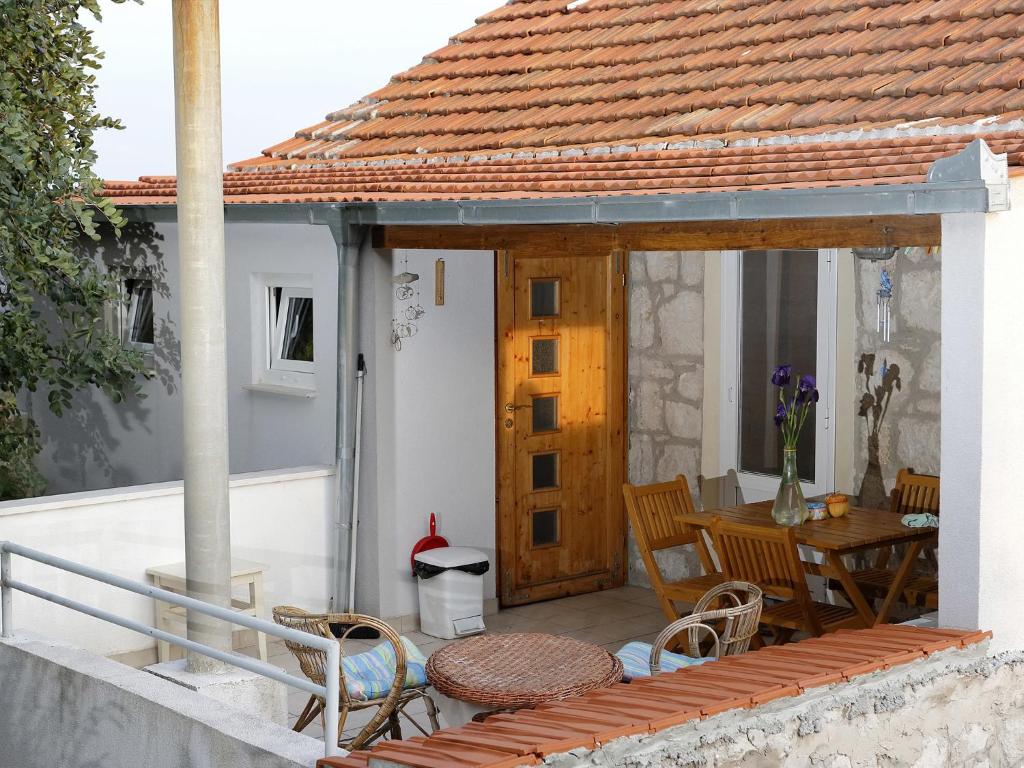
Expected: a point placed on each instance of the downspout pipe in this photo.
(349, 240)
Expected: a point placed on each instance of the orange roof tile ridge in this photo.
(929, 127)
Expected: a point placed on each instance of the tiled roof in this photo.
(538, 91)
(644, 706)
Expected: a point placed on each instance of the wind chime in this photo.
(403, 325)
(883, 297)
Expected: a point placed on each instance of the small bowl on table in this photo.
(816, 510)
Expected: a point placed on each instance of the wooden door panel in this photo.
(560, 344)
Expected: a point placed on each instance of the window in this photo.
(132, 317)
(292, 320)
(283, 324)
(778, 306)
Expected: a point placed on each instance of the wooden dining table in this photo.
(860, 530)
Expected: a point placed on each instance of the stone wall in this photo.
(954, 708)
(666, 378)
(909, 433)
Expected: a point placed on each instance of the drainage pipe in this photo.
(197, 123)
(349, 241)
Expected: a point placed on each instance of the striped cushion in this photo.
(636, 660)
(369, 675)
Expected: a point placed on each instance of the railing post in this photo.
(6, 594)
(332, 679)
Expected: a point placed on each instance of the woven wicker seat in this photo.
(520, 670)
(313, 663)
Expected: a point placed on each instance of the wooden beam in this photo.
(836, 232)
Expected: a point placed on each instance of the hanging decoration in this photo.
(403, 325)
(883, 297)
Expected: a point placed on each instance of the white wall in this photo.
(102, 445)
(431, 421)
(281, 519)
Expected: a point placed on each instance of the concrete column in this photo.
(203, 313)
(981, 561)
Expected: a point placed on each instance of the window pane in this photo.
(545, 527)
(139, 295)
(545, 471)
(544, 298)
(544, 357)
(779, 324)
(298, 336)
(545, 413)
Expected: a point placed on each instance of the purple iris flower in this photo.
(781, 375)
(807, 383)
(780, 414)
(814, 395)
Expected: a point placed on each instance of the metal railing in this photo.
(331, 692)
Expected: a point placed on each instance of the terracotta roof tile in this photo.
(650, 704)
(537, 74)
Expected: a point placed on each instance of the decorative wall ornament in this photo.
(883, 297)
(403, 325)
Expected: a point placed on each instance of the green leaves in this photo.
(53, 292)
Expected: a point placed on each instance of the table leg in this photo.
(899, 582)
(853, 592)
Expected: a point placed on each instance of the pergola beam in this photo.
(833, 232)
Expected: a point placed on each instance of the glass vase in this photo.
(789, 507)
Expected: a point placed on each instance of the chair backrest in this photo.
(730, 627)
(722, 491)
(652, 511)
(313, 661)
(765, 556)
(915, 493)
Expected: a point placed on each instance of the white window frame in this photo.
(121, 315)
(756, 487)
(279, 333)
(270, 370)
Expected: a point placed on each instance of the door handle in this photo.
(512, 407)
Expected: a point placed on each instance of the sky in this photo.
(284, 65)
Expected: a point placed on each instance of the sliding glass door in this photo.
(778, 307)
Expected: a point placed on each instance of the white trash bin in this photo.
(451, 586)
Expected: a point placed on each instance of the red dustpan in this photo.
(433, 541)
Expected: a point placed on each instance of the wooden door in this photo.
(561, 422)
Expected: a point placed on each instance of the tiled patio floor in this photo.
(609, 619)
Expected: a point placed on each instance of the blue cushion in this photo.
(369, 675)
(636, 660)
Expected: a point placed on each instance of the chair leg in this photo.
(308, 714)
(431, 713)
(395, 726)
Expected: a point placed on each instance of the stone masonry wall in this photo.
(666, 379)
(954, 708)
(909, 436)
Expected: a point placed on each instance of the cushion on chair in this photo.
(369, 675)
(636, 660)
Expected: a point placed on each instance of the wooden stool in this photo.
(244, 573)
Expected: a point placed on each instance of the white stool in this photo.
(244, 574)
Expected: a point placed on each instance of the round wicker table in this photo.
(520, 670)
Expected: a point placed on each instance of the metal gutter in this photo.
(972, 181)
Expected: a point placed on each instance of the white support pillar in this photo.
(981, 560)
(204, 325)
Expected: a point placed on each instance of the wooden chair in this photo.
(769, 558)
(313, 663)
(913, 494)
(652, 513)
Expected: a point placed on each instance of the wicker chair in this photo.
(730, 628)
(313, 664)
